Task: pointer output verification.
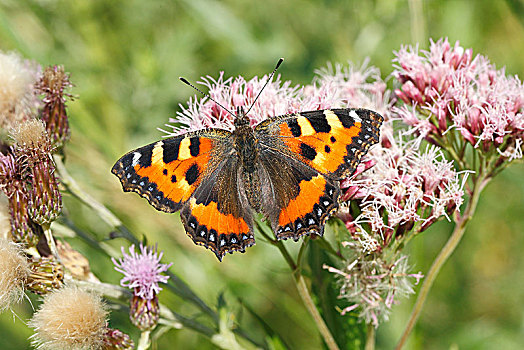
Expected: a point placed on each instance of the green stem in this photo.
(310, 306)
(370, 338)
(302, 288)
(445, 253)
(50, 241)
(144, 342)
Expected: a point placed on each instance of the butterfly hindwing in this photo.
(216, 216)
(303, 198)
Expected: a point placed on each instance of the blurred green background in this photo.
(125, 58)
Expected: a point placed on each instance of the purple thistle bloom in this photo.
(142, 271)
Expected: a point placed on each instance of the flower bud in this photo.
(53, 83)
(32, 145)
(115, 339)
(144, 313)
(47, 275)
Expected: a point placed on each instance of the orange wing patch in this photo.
(220, 232)
(168, 172)
(317, 199)
(331, 141)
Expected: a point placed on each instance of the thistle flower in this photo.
(33, 147)
(14, 271)
(13, 181)
(69, 318)
(446, 89)
(142, 273)
(18, 100)
(371, 285)
(52, 84)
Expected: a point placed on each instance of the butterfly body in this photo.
(287, 167)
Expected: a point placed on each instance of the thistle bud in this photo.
(52, 84)
(14, 185)
(32, 145)
(144, 313)
(115, 339)
(47, 275)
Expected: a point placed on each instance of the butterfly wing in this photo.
(168, 172)
(315, 149)
(330, 141)
(218, 216)
(302, 199)
(193, 173)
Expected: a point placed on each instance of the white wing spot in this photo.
(355, 116)
(136, 158)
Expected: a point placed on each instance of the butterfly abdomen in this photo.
(245, 146)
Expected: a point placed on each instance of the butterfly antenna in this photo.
(185, 81)
(267, 82)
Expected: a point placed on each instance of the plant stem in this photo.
(370, 338)
(302, 288)
(310, 305)
(442, 257)
(144, 342)
(50, 241)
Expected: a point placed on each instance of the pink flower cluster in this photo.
(400, 187)
(446, 87)
(332, 88)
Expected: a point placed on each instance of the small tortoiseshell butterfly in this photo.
(286, 167)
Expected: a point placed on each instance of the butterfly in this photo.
(287, 167)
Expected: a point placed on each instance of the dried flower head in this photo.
(53, 83)
(371, 285)
(142, 271)
(69, 318)
(14, 271)
(18, 99)
(47, 275)
(33, 147)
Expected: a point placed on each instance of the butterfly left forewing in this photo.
(169, 171)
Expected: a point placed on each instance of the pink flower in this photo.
(332, 88)
(142, 271)
(405, 186)
(448, 89)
